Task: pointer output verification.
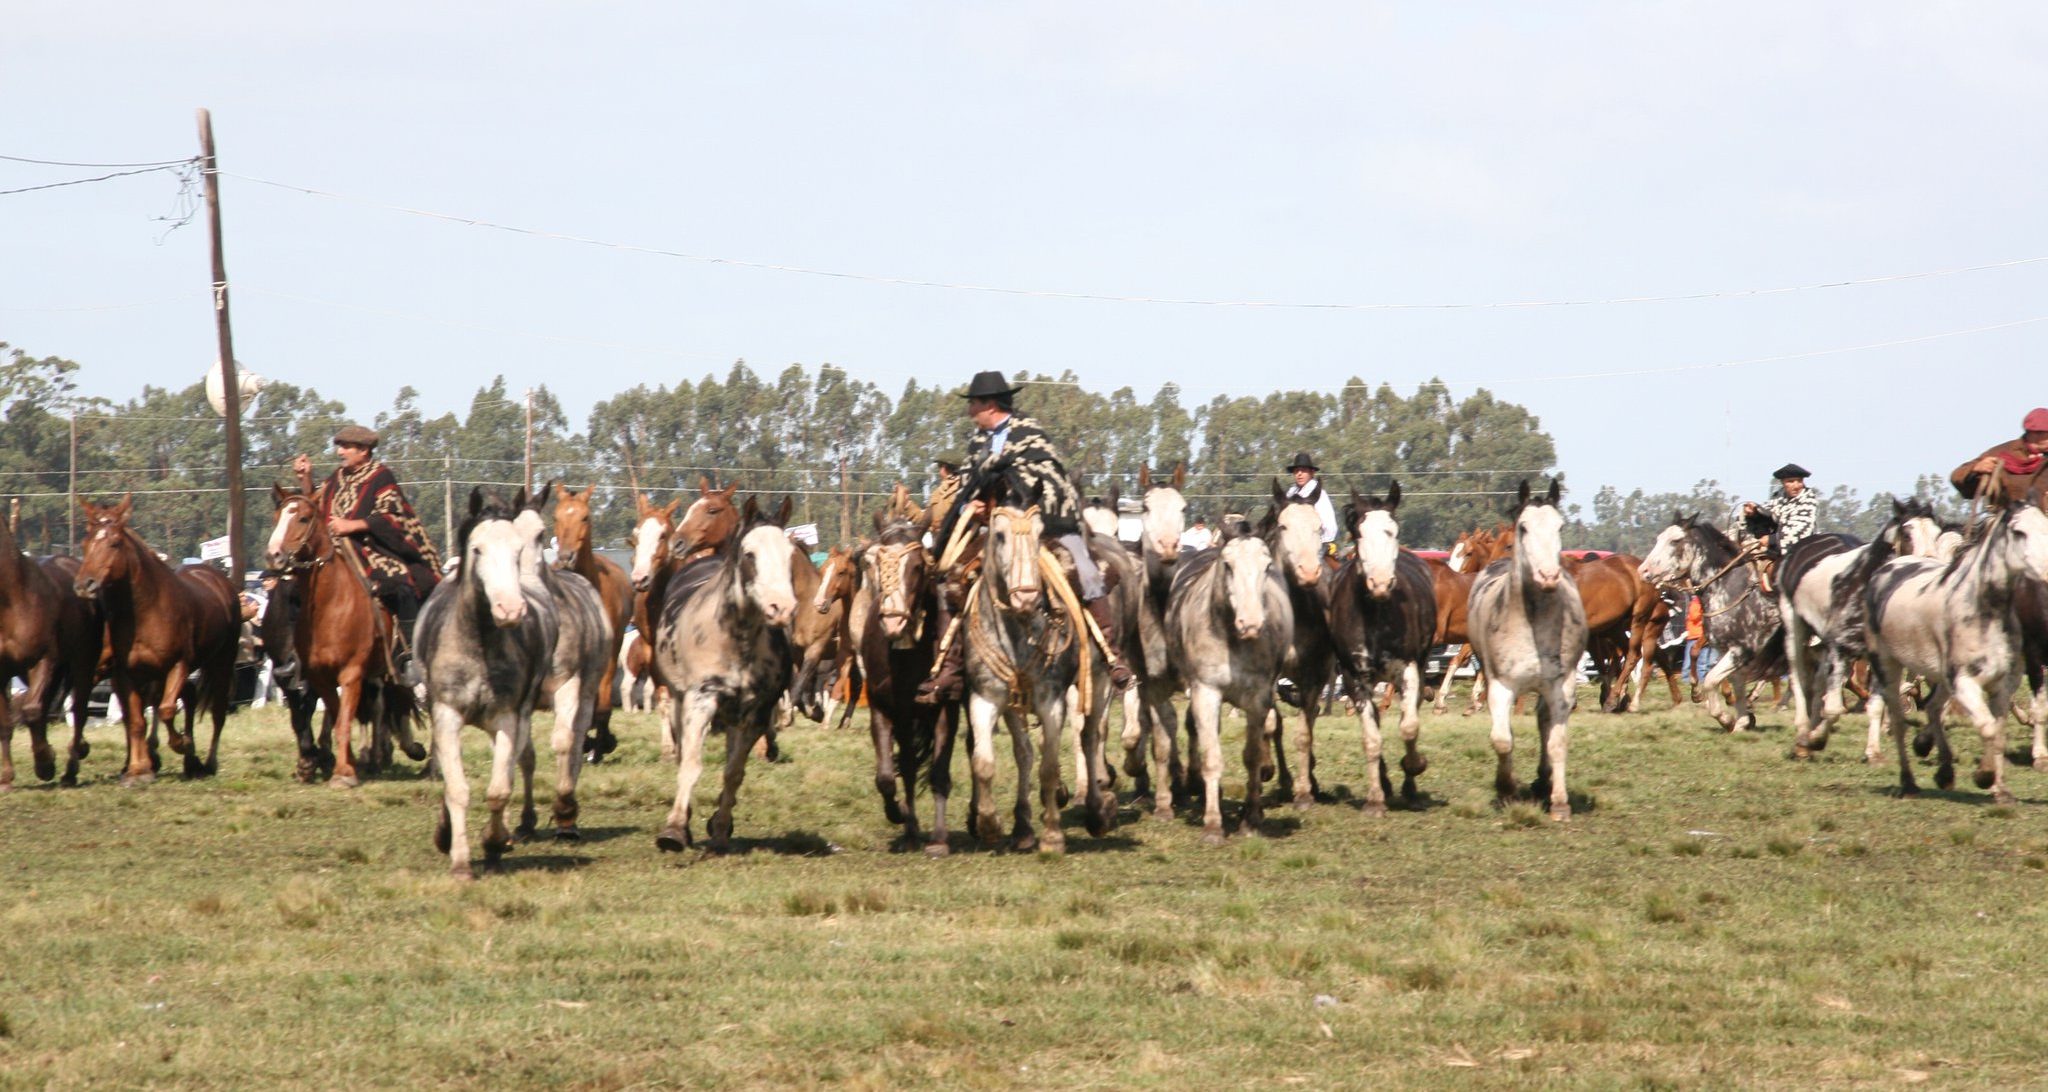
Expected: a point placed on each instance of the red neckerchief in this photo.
(2021, 464)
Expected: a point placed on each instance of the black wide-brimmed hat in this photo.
(1303, 462)
(989, 385)
(947, 465)
(357, 435)
(1791, 470)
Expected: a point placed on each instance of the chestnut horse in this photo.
(1619, 607)
(82, 652)
(614, 591)
(840, 595)
(162, 626)
(341, 637)
(653, 564)
(32, 649)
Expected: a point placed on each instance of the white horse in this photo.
(1956, 623)
(1529, 629)
(486, 639)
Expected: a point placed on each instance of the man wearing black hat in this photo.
(1013, 450)
(366, 509)
(1794, 510)
(1308, 488)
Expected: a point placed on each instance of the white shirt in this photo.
(1196, 538)
(1327, 513)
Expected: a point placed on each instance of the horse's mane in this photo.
(1708, 534)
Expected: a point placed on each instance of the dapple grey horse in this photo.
(1957, 623)
(1741, 621)
(486, 640)
(583, 644)
(723, 645)
(1229, 625)
(1529, 629)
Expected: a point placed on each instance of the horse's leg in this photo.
(1481, 691)
(1443, 690)
(1987, 709)
(220, 698)
(451, 834)
(882, 735)
(906, 770)
(6, 738)
(597, 731)
(665, 719)
(945, 732)
(1937, 731)
(80, 683)
(568, 738)
(1133, 736)
(1796, 649)
(1169, 768)
(341, 703)
(2039, 709)
(1887, 681)
(1101, 799)
(135, 706)
(1500, 698)
(1052, 720)
(739, 745)
(1722, 669)
(529, 816)
(688, 720)
(1021, 835)
(1256, 767)
(167, 705)
(1205, 709)
(35, 712)
(1413, 761)
(1879, 711)
(1305, 752)
(1375, 762)
(981, 759)
(1556, 730)
(511, 741)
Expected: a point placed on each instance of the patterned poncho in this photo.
(395, 549)
(1029, 464)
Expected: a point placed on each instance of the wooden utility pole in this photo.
(447, 506)
(529, 441)
(230, 383)
(71, 490)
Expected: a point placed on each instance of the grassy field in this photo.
(1713, 916)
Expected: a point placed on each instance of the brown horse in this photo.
(162, 627)
(30, 650)
(81, 657)
(1619, 603)
(840, 594)
(614, 591)
(1470, 555)
(342, 639)
(653, 564)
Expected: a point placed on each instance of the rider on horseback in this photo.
(1792, 511)
(1009, 446)
(2009, 471)
(1308, 489)
(366, 509)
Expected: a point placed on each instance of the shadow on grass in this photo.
(795, 843)
(517, 861)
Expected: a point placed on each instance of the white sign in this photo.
(806, 533)
(214, 548)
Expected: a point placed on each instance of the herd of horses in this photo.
(732, 627)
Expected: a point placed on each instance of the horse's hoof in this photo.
(1052, 846)
(2040, 763)
(1304, 802)
(529, 822)
(1409, 793)
(415, 750)
(46, 764)
(938, 848)
(137, 780)
(1800, 752)
(344, 781)
(672, 839)
(1923, 744)
(1560, 813)
(495, 848)
(1945, 778)
(567, 832)
(1162, 812)
(892, 811)
(69, 780)
(1024, 843)
(461, 873)
(2004, 796)
(195, 769)
(1063, 796)
(1377, 809)
(1213, 838)
(1266, 773)
(306, 772)
(444, 835)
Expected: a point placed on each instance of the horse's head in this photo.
(1461, 548)
(494, 550)
(532, 525)
(1166, 510)
(650, 539)
(1379, 539)
(1539, 535)
(1010, 562)
(2026, 528)
(109, 553)
(764, 561)
(896, 570)
(1245, 563)
(1294, 532)
(835, 579)
(299, 536)
(1676, 553)
(708, 523)
(1099, 516)
(572, 524)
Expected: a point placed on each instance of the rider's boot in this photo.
(1101, 610)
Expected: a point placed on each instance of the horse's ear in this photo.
(669, 510)
(476, 500)
(562, 490)
(1271, 521)
(1522, 494)
(1116, 498)
(729, 490)
(1279, 494)
(126, 506)
(519, 500)
(1393, 495)
(703, 485)
(1357, 505)
(1898, 508)
(749, 512)
(278, 494)
(782, 513)
(881, 521)
(1180, 475)
(1556, 489)
(1144, 477)
(1350, 515)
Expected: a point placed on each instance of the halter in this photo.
(889, 584)
(292, 562)
(1749, 552)
(1023, 556)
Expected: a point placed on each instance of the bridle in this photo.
(301, 540)
(1748, 553)
(1019, 565)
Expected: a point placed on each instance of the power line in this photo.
(913, 282)
(69, 163)
(95, 178)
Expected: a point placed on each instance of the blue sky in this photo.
(1300, 153)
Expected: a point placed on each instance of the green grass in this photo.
(1713, 916)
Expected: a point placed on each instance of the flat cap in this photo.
(357, 435)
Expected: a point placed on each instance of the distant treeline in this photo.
(836, 442)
